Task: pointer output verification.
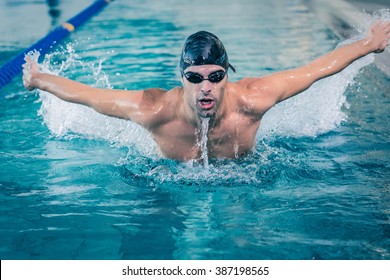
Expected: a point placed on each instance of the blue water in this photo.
(78, 185)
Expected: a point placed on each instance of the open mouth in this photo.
(206, 103)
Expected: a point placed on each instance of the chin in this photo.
(202, 113)
(206, 114)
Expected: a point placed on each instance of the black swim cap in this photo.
(204, 48)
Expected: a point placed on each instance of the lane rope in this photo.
(14, 67)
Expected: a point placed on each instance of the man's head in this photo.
(202, 48)
(203, 65)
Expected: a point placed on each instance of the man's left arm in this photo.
(283, 85)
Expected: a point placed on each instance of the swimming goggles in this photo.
(196, 78)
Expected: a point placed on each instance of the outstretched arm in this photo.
(280, 86)
(138, 106)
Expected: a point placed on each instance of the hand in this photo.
(30, 71)
(378, 36)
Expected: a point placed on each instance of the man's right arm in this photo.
(138, 105)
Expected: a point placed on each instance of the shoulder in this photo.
(157, 97)
(254, 96)
(158, 93)
(250, 87)
(162, 105)
(154, 93)
(255, 85)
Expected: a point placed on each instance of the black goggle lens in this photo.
(214, 77)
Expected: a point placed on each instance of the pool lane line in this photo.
(14, 67)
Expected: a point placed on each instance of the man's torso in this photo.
(232, 137)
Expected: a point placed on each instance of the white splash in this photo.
(70, 120)
(203, 141)
(319, 109)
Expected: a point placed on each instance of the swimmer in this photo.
(234, 110)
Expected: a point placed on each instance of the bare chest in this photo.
(231, 138)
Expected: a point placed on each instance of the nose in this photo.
(206, 86)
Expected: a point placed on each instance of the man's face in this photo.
(205, 93)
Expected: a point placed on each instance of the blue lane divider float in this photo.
(14, 67)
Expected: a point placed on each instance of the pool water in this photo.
(78, 185)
